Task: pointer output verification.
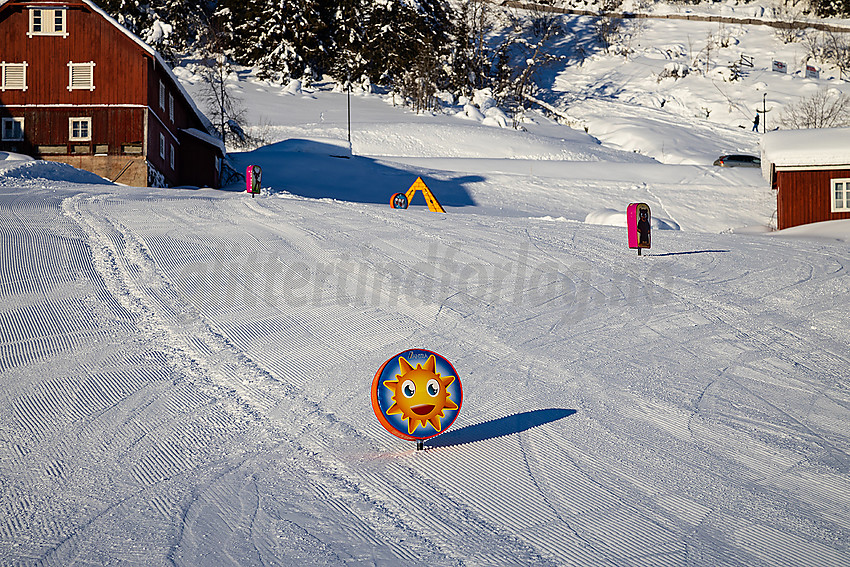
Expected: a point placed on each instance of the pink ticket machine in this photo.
(253, 179)
(638, 220)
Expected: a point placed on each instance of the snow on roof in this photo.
(206, 137)
(814, 147)
(153, 53)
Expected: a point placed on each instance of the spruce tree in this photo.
(280, 37)
(171, 27)
(344, 38)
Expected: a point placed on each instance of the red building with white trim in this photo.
(810, 171)
(77, 87)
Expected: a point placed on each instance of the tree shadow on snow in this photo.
(501, 427)
(319, 170)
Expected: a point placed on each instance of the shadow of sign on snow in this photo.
(508, 425)
(318, 170)
(691, 252)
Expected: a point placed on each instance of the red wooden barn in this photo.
(810, 171)
(77, 87)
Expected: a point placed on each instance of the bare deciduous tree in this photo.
(522, 55)
(791, 15)
(419, 85)
(827, 108)
(224, 108)
(608, 24)
(471, 64)
(830, 48)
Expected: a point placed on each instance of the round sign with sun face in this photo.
(416, 394)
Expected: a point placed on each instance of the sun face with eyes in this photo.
(420, 395)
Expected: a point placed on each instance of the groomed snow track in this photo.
(186, 382)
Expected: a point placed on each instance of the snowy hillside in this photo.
(187, 371)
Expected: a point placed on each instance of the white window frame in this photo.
(161, 95)
(171, 107)
(86, 137)
(47, 19)
(79, 78)
(162, 145)
(5, 83)
(13, 120)
(172, 157)
(844, 191)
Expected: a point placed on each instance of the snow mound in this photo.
(10, 156)
(38, 172)
(830, 230)
(316, 145)
(612, 217)
(470, 112)
(293, 88)
(609, 217)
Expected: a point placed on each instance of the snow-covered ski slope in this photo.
(186, 380)
(186, 373)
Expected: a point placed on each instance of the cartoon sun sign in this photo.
(416, 394)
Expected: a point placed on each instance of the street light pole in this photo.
(350, 149)
(764, 113)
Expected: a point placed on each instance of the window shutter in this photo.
(14, 76)
(81, 76)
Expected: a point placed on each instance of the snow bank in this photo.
(293, 87)
(831, 230)
(612, 217)
(17, 173)
(10, 156)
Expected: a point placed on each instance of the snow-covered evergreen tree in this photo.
(389, 42)
(470, 60)
(283, 38)
(831, 8)
(169, 26)
(345, 38)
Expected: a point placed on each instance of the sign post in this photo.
(416, 395)
(253, 179)
(812, 72)
(638, 218)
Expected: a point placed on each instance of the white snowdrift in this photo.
(28, 172)
(611, 217)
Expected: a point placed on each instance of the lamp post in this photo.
(350, 149)
(764, 113)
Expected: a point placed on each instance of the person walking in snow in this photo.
(756, 123)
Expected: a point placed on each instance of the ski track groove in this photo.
(772, 340)
(158, 465)
(131, 263)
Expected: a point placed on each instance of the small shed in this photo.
(810, 171)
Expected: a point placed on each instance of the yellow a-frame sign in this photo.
(419, 185)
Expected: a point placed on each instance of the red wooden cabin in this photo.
(810, 171)
(77, 87)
